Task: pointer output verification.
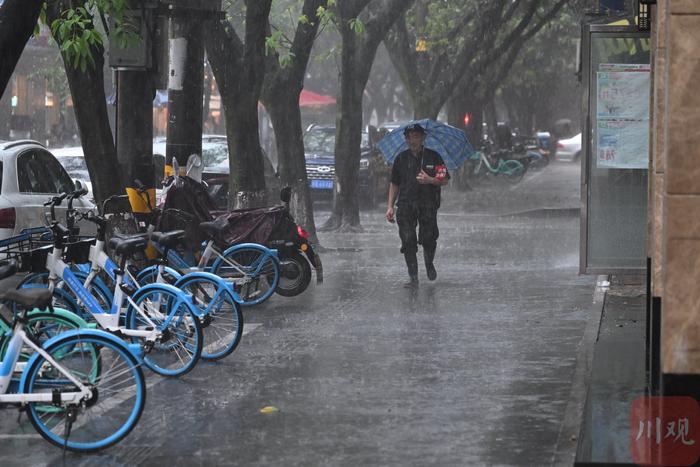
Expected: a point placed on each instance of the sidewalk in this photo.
(617, 375)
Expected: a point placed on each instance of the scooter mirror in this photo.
(286, 194)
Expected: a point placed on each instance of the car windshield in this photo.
(320, 140)
(214, 150)
(323, 140)
(214, 153)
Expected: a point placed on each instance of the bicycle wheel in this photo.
(180, 345)
(253, 272)
(221, 315)
(34, 278)
(513, 171)
(105, 365)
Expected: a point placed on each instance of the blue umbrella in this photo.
(450, 142)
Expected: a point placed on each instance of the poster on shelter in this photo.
(622, 114)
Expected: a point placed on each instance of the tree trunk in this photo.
(5, 113)
(426, 107)
(491, 116)
(283, 108)
(247, 176)
(357, 56)
(354, 75)
(239, 69)
(90, 107)
(17, 21)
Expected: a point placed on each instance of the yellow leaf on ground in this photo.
(269, 409)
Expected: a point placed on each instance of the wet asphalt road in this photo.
(475, 368)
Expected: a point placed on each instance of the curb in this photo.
(544, 212)
(569, 432)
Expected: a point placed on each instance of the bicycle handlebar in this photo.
(70, 212)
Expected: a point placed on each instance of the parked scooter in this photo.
(295, 252)
(275, 228)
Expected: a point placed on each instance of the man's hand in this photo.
(425, 179)
(390, 214)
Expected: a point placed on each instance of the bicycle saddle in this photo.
(128, 246)
(8, 269)
(131, 236)
(169, 239)
(213, 228)
(29, 298)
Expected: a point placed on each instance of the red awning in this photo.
(311, 99)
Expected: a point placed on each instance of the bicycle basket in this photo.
(78, 251)
(34, 260)
(29, 249)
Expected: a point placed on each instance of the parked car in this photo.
(214, 149)
(73, 160)
(30, 176)
(216, 168)
(569, 148)
(319, 152)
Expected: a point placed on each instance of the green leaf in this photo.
(357, 26)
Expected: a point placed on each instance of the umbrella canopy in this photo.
(450, 142)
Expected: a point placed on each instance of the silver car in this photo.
(569, 148)
(31, 175)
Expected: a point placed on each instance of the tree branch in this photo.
(17, 21)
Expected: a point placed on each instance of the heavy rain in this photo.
(344, 232)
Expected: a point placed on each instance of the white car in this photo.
(31, 175)
(73, 160)
(569, 148)
(214, 149)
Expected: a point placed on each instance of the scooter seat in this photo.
(169, 239)
(213, 229)
(128, 246)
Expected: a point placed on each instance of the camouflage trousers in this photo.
(409, 216)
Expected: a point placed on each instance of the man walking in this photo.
(416, 178)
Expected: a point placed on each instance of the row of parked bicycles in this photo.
(507, 159)
(90, 312)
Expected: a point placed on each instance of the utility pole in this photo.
(186, 78)
(136, 69)
(185, 84)
(143, 68)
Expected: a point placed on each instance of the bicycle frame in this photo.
(99, 260)
(107, 320)
(211, 251)
(485, 160)
(7, 368)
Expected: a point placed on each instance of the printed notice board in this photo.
(622, 116)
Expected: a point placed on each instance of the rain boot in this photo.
(412, 264)
(429, 256)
